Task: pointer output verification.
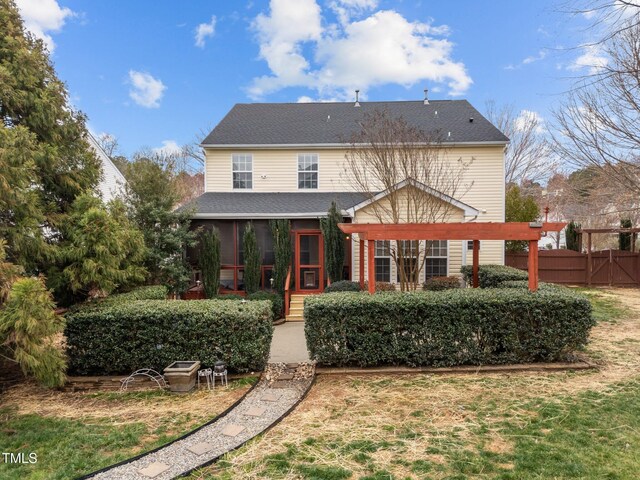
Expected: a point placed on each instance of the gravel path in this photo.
(279, 388)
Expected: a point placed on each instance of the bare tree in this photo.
(598, 124)
(108, 143)
(610, 18)
(528, 155)
(410, 168)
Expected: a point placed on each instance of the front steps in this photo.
(296, 308)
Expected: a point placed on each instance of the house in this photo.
(287, 160)
(112, 180)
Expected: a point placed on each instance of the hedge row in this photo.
(453, 327)
(492, 276)
(118, 338)
(277, 302)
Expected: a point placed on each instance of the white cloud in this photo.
(592, 59)
(43, 16)
(205, 30)
(535, 58)
(346, 9)
(145, 90)
(381, 48)
(527, 118)
(169, 147)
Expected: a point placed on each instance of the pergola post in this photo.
(371, 265)
(589, 264)
(476, 263)
(533, 265)
(361, 263)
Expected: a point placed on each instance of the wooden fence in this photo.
(607, 267)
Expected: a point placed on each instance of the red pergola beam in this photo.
(451, 231)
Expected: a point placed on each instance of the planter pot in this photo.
(182, 375)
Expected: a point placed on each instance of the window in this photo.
(307, 170)
(242, 166)
(407, 261)
(382, 261)
(470, 244)
(436, 261)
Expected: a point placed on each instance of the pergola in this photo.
(370, 232)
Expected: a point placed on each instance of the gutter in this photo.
(218, 146)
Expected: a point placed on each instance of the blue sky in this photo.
(156, 72)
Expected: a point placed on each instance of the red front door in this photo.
(309, 257)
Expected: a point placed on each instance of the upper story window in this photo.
(307, 170)
(242, 166)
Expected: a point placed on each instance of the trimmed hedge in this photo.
(453, 327)
(277, 302)
(382, 287)
(492, 276)
(437, 284)
(120, 338)
(149, 292)
(343, 286)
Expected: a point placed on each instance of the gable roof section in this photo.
(327, 124)
(245, 205)
(111, 180)
(468, 210)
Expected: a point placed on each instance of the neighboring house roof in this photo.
(326, 124)
(112, 180)
(238, 205)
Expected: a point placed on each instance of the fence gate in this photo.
(606, 267)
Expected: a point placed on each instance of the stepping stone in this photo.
(292, 365)
(280, 384)
(256, 411)
(286, 376)
(232, 430)
(153, 469)
(271, 397)
(200, 448)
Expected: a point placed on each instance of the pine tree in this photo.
(333, 243)
(46, 162)
(28, 325)
(103, 250)
(282, 251)
(210, 262)
(252, 260)
(571, 234)
(624, 239)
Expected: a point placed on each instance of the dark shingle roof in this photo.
(258, 204)
(306, 123)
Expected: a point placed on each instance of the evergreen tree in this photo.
(624, 239)
(210, 262)
(571, 235)
(151, 194)
(45, 161)
(9, 273)
(333, 243)
(282, 251)
(28, 325)
(103, 250)
(252, 260)
(519, 208)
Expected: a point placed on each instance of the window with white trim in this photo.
(383, 261)
(242, 167)
(436, 261)
(307, 170)
(407, 259)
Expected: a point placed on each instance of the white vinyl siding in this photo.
(242, 168)
(308, 171)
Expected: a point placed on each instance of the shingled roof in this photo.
(334, 123)
(269, 204)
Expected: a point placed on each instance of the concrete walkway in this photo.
(289, 344)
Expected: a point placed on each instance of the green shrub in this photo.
(277, 302)
(230, 296)
(453, 327)
(343, 286)
(437, 284)
(492, 276)
(381, 287)
(121, 338)
(150, 292)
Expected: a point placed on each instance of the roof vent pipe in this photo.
(357, 104)
(426, 99)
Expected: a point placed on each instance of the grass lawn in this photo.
(76, 433)
(522, 426)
